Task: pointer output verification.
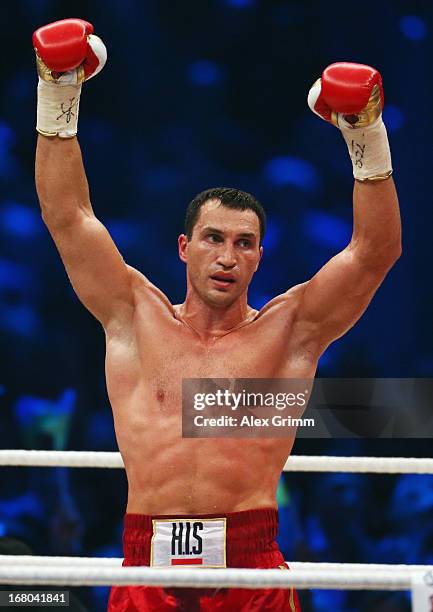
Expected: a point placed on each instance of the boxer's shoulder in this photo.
(148, 294)
(284, 304)
(285, 313)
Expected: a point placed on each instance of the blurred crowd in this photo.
(357, 518)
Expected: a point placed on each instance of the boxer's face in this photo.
(223, 253)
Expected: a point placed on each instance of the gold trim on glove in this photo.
(80, 74)
(43, 71)
(377, 178)
(54, 134)
(334, 119)
(46, 73)
(47, 134)
(368, 115)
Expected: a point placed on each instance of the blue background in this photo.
(197, 95)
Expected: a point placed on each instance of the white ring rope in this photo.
(116, 562)
(295, 463)
(60, 561)
(73, 459)
(207, 578)
(372, 465)
(78, 571)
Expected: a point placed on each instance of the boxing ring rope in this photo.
(23, 560)
(295, 463)
(101, 575)
(86, 571)
(116, 562)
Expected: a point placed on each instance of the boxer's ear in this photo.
(260, 258)
(182, 243)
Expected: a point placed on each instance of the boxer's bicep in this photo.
(336, 297)
(96, 269)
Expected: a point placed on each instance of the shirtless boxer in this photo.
(191, 489)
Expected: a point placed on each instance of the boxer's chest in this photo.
(239, 354)
(157, 358)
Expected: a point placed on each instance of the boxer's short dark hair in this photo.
(230, 198)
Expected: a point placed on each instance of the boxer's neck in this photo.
(210, 321)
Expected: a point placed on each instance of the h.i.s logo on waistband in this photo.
(186, 540)
(183, 541)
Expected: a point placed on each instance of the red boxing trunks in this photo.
(239, 539)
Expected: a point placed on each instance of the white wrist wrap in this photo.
(58, 105)
(368, 150)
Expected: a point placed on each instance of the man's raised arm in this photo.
(350, 96)
(67, 53)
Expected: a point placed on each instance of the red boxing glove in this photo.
(66, 45)
(350, 96)
(62, 45)
(351, 90)
(67, 53)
